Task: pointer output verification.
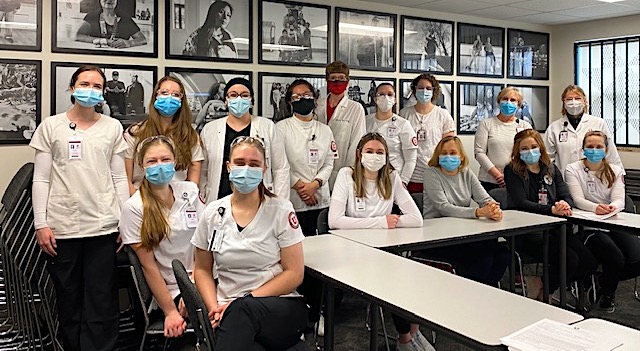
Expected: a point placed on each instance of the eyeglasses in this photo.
(162, 138)
(175, 94)
(234, 95)
(247, 140)
(296, 97)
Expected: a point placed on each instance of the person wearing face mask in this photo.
(430, 122)
(564, 136)
(450, 190)
(253, 240)
(168, 118)
(79, 184)
(598, 187)
(217, 136)
(534, 184)
(397, 131)
(363, 197)
(158, 222)
(345, 117)
(494, 139)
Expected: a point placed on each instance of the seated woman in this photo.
(363, 197)
(598, 186)
(158, 222)
(535, 185)
(449, 188)
(108, 28)
(255, 242)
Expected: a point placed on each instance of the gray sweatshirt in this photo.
(450, 196)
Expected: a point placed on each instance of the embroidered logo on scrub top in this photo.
(293, 220)
(414, 141)
(334, 146)
(201, 198)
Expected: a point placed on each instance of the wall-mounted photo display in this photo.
(363, 91)
(20, 91)
(535, 106)
(480, 50)
(128, 90)
(119, 27)
(205, 91)
(477, 101)
(426, 45)
(21, 25)
(446, 99)
(293, 33)
(366, 40)
(272, 88)
(209, 30)
(528, 54)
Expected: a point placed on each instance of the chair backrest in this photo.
(323, 222)
(21, 181)
(418, 199)
(138, 277)
(629, 206)
(500, 195)
(197, 310)
(441, 265)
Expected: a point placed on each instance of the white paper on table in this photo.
(591, 215)
(548, 335)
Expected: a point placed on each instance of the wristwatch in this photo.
(319, 181)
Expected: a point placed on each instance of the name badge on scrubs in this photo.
(422, 135)
(360, 204)
(191, 217)
(543, 198)
(75, 147)
(314, 156)
(217, 240)
(591, 187)
(564, 136)
(392, 131)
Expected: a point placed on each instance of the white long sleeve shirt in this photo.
(401, 140)
(588, 191)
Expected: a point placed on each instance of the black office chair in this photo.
(323, 222)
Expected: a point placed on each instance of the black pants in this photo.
(261, 323)
(308, 221)
(619, 254)
(84, 276)
(311, 287)
(489, 186)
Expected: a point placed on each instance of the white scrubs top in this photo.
(401, 140)
(588, 191)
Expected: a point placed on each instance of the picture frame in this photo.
(476, 101)
(187, 19)
(365, 40)
(363, 91)
(131, 96)
(82, 27)
(426, 45)
(20, 100)
(528, 54)
(446, 99)
(205, 91)
(304, 42)
(272, 88)
(21, 26)
(535, 105)
(480, 50)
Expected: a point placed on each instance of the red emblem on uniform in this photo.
(414, 141)
(334, 146)
(201, 198)
(293, 220)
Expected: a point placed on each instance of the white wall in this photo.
(12, 157)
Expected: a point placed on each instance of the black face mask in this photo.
(303, 107)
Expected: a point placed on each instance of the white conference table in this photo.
(473, 313)
(621, 221)
(629, 337)
(446, 231)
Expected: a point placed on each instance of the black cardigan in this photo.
(523, 194)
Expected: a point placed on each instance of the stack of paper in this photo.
(591, 215)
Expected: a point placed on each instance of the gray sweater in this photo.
(450, 196)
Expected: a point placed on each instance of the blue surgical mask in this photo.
(167, 105)
(531, 156)
(594, 155)
(239, 106)
(449, 162)
(160, 174)
(508, 108)
(424, 95)
(88, 97)
(245, 179)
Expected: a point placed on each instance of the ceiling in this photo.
(547, 12)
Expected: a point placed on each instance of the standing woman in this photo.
(397, 132)
(79, 183)
(598, 187)
(363, 197)
(255, 243)
(494, 139)
(536, 185)
(167, 117)
(430, 122)
(217, 136)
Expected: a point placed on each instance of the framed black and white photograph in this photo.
(528, 54)
(535, 106)
(446, 99)
(209, 30)
(20, 91)
(272, 88)
(363, 91)
(21, 25)
(293, 33)
(127, 92)
(205, 91)
(366, 40)
(477, 101)
(480, 50)
(119, 27)
(426, 45)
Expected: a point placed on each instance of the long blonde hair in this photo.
(383, 181)
(605, 172)
(519, 167)
(259, 145)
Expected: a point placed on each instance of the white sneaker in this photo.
(320, 325)
(423, 343)
(410, 346)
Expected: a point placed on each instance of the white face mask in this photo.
(373, 162)
(385, 103)
(574, 107)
